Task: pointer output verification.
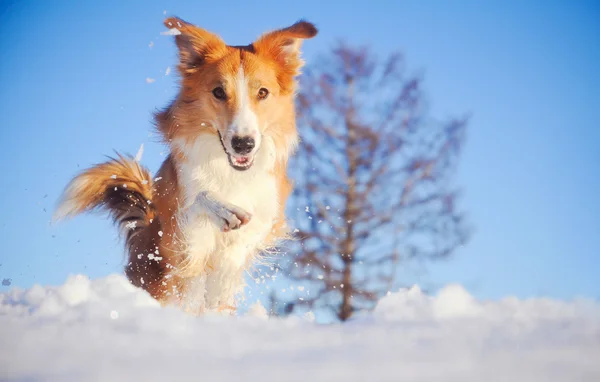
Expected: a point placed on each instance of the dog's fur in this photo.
(194, 230)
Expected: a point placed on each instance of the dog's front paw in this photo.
(224, 215)
(231, 217)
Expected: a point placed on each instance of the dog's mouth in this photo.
(242, 163)
(238, 162)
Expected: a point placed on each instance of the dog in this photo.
(217, 202)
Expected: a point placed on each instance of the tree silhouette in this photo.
(372, 182)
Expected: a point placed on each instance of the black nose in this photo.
(242, 145)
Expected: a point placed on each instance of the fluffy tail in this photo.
(120, 186)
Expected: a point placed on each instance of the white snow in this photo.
(140, 153)
(150, 80)
(107, 330)
(172, 32)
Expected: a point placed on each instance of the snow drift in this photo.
(107, 330)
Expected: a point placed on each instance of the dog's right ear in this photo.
(196, 45)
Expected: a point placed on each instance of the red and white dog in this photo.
(218, 200)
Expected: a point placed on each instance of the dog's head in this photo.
(241, 94)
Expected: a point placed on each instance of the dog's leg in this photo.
(207, 271)
(217, 288)
(224, 215)
(226, 280)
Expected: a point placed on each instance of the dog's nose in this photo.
(242, 145)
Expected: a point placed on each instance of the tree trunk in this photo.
(348, 247)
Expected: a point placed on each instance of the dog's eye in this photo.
(219, 93)
(263, 93)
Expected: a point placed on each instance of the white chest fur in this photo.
(215, 261)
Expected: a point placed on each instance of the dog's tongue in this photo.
(241, 160)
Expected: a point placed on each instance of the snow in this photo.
(150, 80)
(140, 153)
(106, 329)
(172, 31)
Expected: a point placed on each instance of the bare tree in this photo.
(372, 182)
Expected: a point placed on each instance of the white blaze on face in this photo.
(245, 122)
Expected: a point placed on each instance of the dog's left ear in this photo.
(283, 46)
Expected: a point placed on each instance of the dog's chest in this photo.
(254, 191)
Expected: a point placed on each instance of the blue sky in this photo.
(73, 89)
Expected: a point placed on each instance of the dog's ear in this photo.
(283, 46)
(196, 45)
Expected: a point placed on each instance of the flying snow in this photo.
(138, 155)
(131, 225)
(171, 32)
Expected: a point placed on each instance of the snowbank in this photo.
(106, 330)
